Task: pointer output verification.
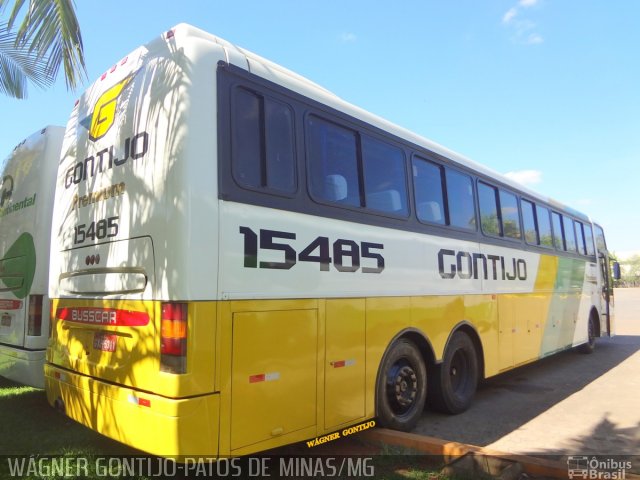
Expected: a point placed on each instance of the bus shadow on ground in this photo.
(507, 401)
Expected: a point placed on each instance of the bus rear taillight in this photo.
(34, 323)
(173, 339)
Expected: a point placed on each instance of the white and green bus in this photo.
(26, 203)
(243, 260)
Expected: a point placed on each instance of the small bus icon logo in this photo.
(578, 466)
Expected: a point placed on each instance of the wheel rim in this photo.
(459, 372)
(402, 386)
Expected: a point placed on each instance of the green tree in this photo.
(47, 35)
(631, 270)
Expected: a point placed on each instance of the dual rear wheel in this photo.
(403, 382)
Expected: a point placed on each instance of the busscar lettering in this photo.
(134, 148)
(101, 317)
(466, 265)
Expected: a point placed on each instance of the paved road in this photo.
(566, 404)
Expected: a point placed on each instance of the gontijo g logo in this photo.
(104, 111)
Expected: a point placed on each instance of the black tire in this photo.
(589, 347)
(402, 387)
(454, 381)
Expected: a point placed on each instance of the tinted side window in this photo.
(262, 142)
(509, 214)
(280, 158)
(529, 223)
(462, 212)
(487, 196)
(544, 226)
(601, 244)
(569, 235)
(427, 183)
(385, 177)
(333, 163)
(588, 237)
(558, 237)
(582, 247)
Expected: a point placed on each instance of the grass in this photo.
(32, 428)
(33, 432)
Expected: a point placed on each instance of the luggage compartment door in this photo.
(274, 375)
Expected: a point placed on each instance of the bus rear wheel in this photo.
(454, 381)
(402, 387)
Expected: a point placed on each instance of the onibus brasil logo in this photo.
(584, 467)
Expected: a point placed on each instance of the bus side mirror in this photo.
(616, 271)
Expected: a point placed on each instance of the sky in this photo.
(546, 91)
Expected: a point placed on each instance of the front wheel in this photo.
(590, 346)
(402, 387)
(456, 379)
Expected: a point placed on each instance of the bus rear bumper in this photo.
(22, 366)
(157, 425)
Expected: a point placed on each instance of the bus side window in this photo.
(385, 177)
(529, 223)
(262, 143)
(544, 226)
(558, 236)
(333, 162)
(569, 234)
(462, 212)
(489, 220)
(427, 184)
(509, 215)
(588, 236)
(582, 247)
(601, 244)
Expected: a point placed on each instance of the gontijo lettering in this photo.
(467, 265)
(135, 147)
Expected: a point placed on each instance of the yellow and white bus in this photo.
(27, 185)
(243, 260)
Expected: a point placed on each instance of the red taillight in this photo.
(173, 338)
(34, 323)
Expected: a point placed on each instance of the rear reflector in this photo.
(34, 323)
(143, 402)
(173, 338)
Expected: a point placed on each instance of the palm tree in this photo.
(48, 36)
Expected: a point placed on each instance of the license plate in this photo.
(104, 341)
(6, 320)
